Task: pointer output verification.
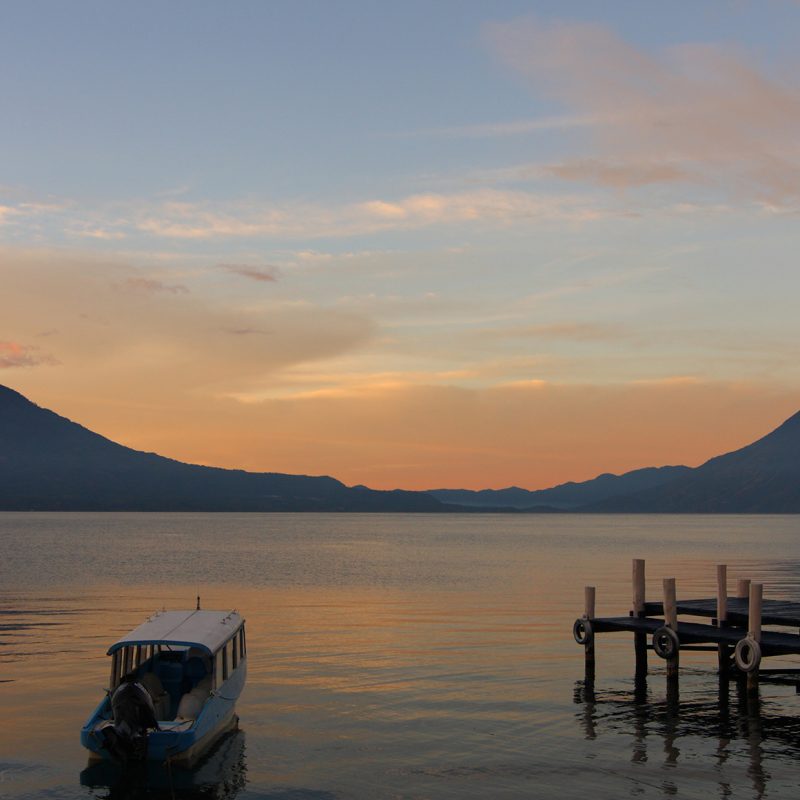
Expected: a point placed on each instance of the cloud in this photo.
(307, 221)
(266, 274)
(154, 340)
(102, 234)
(571, 331)
(702, 113)
(619, 175)
(7, 213)
(140, 284)
(14, 354)
(246, 332)
(513, 128)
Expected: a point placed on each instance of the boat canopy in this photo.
(208, 630)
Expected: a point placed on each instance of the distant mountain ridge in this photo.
(761, 478)
(565, 496)
(49, 463)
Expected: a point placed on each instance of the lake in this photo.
(397, 656)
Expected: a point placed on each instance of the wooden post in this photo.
(743, 588)
(671, 619)
(589, 614)
(639, 637)
(588, 601)
(722, 594)
(754, 629)
(723, 650)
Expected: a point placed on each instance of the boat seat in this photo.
(161, 700)
(192, 702)
(194, 671)
(171, 675)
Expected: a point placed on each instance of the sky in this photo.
(416, 245)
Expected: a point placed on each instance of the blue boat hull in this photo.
(179, 742)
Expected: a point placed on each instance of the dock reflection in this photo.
(726, 726)
(221, 775)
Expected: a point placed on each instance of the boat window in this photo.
(126, 660)
(114, 670)
(218, 668)
(244, 643)
(225, 662)
(235, 650)
(138, 660)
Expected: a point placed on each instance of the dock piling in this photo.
(723, 649)
(639, 637)
(743, 588)
(671, 620)
(754, 631)
(589, 614)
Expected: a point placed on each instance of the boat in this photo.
(173, 688)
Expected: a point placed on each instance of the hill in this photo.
(565, 496)
(49, 463)
(761, 478)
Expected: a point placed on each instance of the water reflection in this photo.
(220, 776)
(729, 725)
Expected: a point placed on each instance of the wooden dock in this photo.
(734, 629)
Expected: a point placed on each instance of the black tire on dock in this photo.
(582, 631)
(666, 642)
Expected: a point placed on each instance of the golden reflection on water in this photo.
(417, 657)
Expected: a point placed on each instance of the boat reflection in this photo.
(727, 725)
(221, 775)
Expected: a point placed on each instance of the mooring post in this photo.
(723, 650)
(671, 619)
(754, 629)
(589, 614)
(743, 588)
(639, 637)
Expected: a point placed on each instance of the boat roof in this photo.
(208, 630)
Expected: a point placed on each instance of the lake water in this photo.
(397, 656)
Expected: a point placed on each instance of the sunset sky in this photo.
(417, 245)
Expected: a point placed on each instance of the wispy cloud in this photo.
(619, 174)
(570, 331)
(518, 127)
(141, 284)
(484, 206)
(702, 113)
(264, 274)
(14, 354)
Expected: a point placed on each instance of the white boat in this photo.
(173, 689)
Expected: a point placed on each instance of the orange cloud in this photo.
(14, 354)
(619, 175)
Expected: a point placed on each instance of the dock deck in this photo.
(734, 629)
(773, 612)
(773, 643)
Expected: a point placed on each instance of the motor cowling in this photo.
(125, 737)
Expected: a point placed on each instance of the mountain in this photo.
(761, 478)
(565, 496)
(49, 463)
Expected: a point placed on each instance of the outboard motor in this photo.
(126, 737)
